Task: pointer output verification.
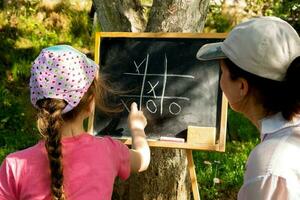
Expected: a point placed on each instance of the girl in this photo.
(260, 64)
(69, 163)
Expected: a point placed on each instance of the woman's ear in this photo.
(244, 87)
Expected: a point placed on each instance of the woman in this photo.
(260, 64)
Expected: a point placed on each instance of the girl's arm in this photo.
(140, 152)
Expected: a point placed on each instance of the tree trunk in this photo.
(167, 177)
(178, 16)
(110, 16)
(120, 15)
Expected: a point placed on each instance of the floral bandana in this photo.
(61, 72)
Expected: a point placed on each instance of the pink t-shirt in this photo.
(90, 167)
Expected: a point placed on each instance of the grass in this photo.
(16, 124)
(220, 175)
(26, 28)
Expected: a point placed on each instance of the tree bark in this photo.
(177, 16)
(110, 16)
(167, 177)
(120, 15)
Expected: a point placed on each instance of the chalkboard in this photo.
(179, 94)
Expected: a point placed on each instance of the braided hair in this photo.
(50, 120)
(49, 123)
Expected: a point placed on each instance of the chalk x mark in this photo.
(125, 105)
(138, 66)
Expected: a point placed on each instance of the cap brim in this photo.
(211, 52)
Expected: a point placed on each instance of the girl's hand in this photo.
(136, 119)
(140, 152)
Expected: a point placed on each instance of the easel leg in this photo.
(193, 176)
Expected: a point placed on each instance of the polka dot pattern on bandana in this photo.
(61, 72)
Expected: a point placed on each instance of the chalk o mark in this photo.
(174, 105)
(153, 108)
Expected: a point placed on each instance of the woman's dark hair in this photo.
(275, 96)
(50, 120)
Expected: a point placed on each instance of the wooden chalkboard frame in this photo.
(212, 143)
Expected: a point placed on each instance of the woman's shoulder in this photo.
(277, 155)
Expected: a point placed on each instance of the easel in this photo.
(193, 176)
(198, 138)
(220, 146)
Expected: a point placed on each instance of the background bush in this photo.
(25, 28)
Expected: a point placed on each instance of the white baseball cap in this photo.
(264, 46)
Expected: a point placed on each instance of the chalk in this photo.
(171, 139)
(125, 105)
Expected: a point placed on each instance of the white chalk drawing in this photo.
(157, 97)
(144, 79)
(138, 66)
(174, 105)
(164, 85)
(168, 75)
(152, 88)
(152, 106)
(124, 104)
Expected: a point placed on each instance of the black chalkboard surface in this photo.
(162, 75)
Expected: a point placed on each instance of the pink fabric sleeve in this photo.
(122, 158)
(7, 182)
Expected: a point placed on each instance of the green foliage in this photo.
(289, 10)
(28, 29)
(25, 29)
(16, 125)
(216, 21)
(223, 15)
(240, 128)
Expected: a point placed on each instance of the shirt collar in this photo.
(275, 123)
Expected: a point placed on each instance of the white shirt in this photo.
(273, 167)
